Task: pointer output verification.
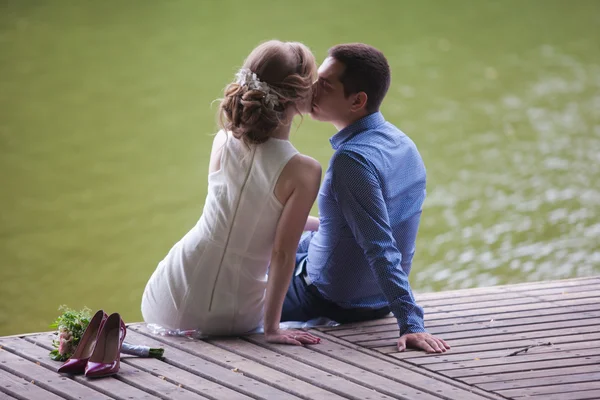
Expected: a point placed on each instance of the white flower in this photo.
(245, 77)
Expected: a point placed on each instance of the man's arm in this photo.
(358, 192)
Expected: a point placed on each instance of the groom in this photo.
(354, 266)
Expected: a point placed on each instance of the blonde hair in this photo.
(289, 68)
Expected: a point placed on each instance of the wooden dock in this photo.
(536, 341)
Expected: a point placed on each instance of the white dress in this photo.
(214, 279)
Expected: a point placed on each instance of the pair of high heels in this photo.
(98, 351)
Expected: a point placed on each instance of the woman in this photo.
(260, 191)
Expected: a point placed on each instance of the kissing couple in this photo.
(255, 257)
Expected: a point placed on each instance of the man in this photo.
(354, 265)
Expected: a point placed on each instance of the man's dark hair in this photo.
(367, 70)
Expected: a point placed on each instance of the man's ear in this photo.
(360, 102)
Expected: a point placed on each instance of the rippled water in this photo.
(521, 198)
(105, 125)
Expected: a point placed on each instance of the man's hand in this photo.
(294, 337)
(422, 341)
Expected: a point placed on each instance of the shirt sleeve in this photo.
(357, 190)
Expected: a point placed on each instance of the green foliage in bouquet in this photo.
(69, 329)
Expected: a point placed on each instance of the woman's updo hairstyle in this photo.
(275, 76)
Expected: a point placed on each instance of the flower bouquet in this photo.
(70, 326)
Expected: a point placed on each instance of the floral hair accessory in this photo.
(245, 77)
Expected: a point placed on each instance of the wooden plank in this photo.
(543, 308)
(22, 335)
(174, 375)
(344, 345)
(519, 344)
(139, 383)
(507, 313)
(551, 389)
(17, 386)
(483, 331)
(573, 302)
(509, 345)
(48, 380)
(441, 318)
(472, 299)
(514, 287)
(228, 384)
(520, 303)
(566, 284)
(578, 395)
(553, 283)
(445, 316)
(541, 381)
(464, 326)
(533, 331)
(178, 376)
(493, 309)
(30, 349)
(387, 319)
(261, 351)
(154, 384)
(367, 370)
(486, 305)
(524, 321)
(526, 375)
(293, 387)
(521, 358)
(560, 290)
(539, 336)
(559, 348)
(389, 323)
(456, 340)
(514, 325)
(134, 378)
(592, 294)
(457, 293)
(391, 337)
(495, 369)
(313, 375)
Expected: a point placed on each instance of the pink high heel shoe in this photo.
(105, 359)
(76, 364)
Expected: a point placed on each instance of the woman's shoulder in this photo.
(216, 151)
(220, 137)
(305, 162)
(302, 173)
(304, 167)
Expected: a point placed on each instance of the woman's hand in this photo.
(293, 337)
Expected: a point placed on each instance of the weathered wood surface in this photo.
(487, 326)
(359, 361)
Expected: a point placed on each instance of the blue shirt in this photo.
(370, 205)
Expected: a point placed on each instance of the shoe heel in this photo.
(105, 359)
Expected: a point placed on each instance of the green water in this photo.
(105, 124)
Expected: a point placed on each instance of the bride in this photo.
(260, 192)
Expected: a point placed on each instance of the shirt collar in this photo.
(371, 121)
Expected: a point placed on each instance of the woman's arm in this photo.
(305, 175)
(312, 224)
